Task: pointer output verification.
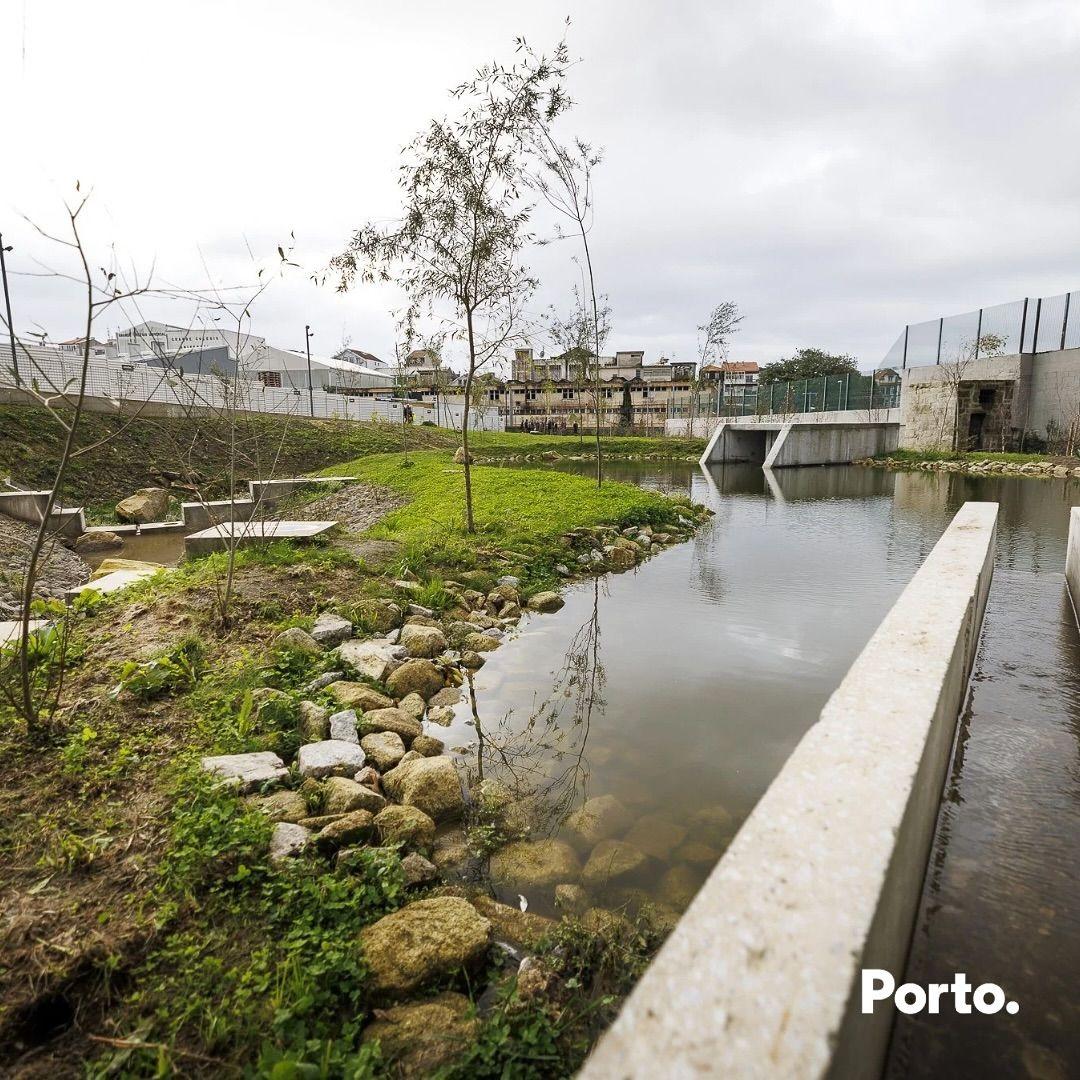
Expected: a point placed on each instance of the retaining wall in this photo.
(761, 976)
(1072, 560)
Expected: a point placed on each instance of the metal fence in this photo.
(1032, 325)
(829, 393)
(131, 383)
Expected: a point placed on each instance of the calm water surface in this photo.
(684, 685)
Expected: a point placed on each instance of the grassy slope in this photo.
(31, 441)
(148, 900)
(30, 444)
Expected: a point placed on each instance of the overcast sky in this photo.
(836, 168)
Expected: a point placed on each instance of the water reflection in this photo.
(717, 655)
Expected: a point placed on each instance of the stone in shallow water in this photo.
(546, 601)
(287, 841)
(680, 885)
(247, 771)
(601, 818)
(521, 928)
(412, 705)
(343, 726)
(656, 835)
(333, 757)
(612, 861)
(534, 864)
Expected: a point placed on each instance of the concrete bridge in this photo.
(778, 442)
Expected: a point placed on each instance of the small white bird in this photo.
(523, 903)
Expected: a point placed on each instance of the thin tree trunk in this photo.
(596, 351)
(469, 525)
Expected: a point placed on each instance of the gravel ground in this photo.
(356, 506)
(58, 570)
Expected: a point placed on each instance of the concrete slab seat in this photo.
(762, 975)
(246, 533)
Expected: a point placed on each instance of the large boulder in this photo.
(332, 757)
(97, 540)
(481, 643)
(287, 841)
(343, 726)
(405, 825)
(371, 659)
(298, 640)
(147, 504)
(377, 616)
(390, 720)
(351, 828)
(546, 601)
(412, 705)
(424, 942)
(530, 864)
(358, 695)
(430, 783)
(415, 677)
(419, 1038)
(598, 819)
(422, 641)
(314, 721)
(247, 772)
(611, 862)
(342, 795)
(384, 749)
(288, 806)
(330, 629)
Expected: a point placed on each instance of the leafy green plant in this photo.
(178, 669)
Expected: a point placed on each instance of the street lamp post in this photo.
(7, 304)
(310, 389)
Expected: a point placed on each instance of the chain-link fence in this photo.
(829, 393)
(1032, 325)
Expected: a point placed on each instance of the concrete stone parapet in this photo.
(268, 490)
(761, 976)
(29, 506)
(243, 533)
(201, 515)
(1072, 560)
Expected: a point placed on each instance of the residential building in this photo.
(737, 383)
(362, 359)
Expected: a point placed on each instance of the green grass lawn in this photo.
(522, 512)
(498, 443)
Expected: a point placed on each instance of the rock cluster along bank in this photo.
(978, 467)
(370, 771)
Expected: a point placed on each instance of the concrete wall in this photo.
(760, 977)
(29, 506)
(704, 426)
(829, 444)
(1054, 394)
(1072, 560)
(928, 398)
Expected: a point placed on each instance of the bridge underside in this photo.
(791, 444)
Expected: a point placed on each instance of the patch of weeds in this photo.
(67, 850)
(260, 963)
(175, 670)
(434, 594)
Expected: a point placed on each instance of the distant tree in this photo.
(715, 332)
(463, 227)
(626, 410)
(809, 364)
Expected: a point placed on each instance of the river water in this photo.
(682, 687)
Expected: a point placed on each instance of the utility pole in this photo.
(310, 389)
(7, 305)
